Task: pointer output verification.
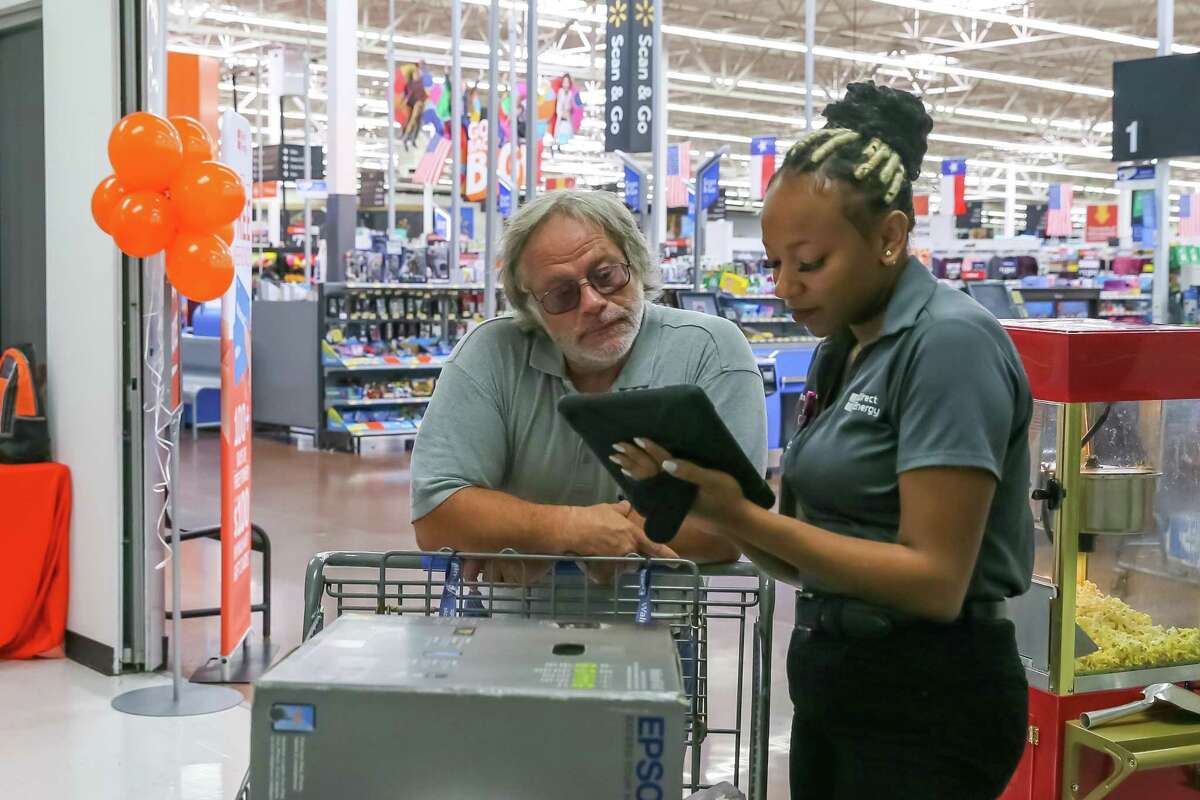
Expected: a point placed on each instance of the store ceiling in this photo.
(1025, 83)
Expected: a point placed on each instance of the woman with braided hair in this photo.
(905, 492)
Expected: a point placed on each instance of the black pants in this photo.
(936, 712)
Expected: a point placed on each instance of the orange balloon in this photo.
(143, 224)
(200, 266)
(208, 195)
(197, 144)
(105, 199)
(225, 234)
(146, 151)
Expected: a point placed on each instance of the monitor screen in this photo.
(995, 298)
(704, 302)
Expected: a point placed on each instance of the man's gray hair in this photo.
(602, 209)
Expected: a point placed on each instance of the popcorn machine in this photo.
(1115, 602)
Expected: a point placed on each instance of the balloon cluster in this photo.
(167, 193)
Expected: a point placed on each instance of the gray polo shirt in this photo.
(942, 386)
(493, 420)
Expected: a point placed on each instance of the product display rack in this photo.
(382, 348)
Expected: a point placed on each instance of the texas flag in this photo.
(762, 165)
(954, 186)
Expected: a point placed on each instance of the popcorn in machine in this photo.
(1115, 602)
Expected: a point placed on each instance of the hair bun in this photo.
(895, 117)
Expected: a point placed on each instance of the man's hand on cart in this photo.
(607, 529)
(610, 529)
(719, 497)
(506, 570)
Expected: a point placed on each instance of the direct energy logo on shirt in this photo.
(864, 403)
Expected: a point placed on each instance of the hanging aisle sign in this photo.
(641, 44)
(710, 183)
(235, 406)
(633, 189)
(1101, 222)
(618, 84)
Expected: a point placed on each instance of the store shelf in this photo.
(370, 321)
(1123, 296)
(411, 287)
(376, 401)
(385, 368)
(407, 434)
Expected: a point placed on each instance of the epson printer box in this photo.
(403, 707)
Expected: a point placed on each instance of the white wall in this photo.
(83, 294)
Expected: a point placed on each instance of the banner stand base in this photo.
(162, 701)
(246, 663)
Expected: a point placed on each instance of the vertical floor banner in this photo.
(235, 405)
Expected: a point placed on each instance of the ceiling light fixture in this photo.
(1050, 26)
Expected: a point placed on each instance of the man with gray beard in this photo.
(495, 466)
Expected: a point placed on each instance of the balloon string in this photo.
(164, 417)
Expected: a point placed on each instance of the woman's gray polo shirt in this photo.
(493, 420)
(943, 386)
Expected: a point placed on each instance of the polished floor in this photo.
(308, 501)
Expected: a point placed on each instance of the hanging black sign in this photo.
(973, 218)
(641, 46)
(286, 162)
(372, 190)
(1149, 121)
(618, 83)
(1035, 219)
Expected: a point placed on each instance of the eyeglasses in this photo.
(606, 279)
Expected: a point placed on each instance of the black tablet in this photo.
(682, 420)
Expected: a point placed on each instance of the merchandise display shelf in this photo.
(338, 368)
(414, 287)
(375, 320)
(376, 401)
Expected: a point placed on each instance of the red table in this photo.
(35, 519)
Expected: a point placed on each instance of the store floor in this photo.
(61, 740)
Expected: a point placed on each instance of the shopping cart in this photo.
(699, 603)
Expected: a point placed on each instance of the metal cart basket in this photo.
(704, 606)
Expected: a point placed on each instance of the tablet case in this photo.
(682, 420)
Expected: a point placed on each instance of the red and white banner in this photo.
(1189, 215)
(433, 162)
(679, 172)
(1058, 211)
(235, 406)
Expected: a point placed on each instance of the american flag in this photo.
(1058, 214)
(433, 162)
(679, 171)
(1189, 216)
(762, 165)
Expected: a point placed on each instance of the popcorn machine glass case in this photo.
(1115, 472)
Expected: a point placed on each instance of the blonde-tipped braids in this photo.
(872, 148)
(876, 158)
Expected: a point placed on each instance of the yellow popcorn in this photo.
(1127, 638)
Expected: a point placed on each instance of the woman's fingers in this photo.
(652, 449)
(634, 461)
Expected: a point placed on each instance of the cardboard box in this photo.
(500, 708)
